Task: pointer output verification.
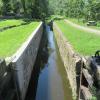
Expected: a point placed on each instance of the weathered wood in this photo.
(95, 69)
(79, 91)
(86, 93)
(88, 77)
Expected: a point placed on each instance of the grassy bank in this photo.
(11, 39)
(80, 22)
(83, 42)
(5, 23)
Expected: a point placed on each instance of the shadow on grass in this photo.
(26, 22)
(13, 26)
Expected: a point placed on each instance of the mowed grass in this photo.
(5, 23)
(11, 39)
(83, 42)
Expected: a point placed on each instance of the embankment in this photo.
(23, 60)
(69, 58)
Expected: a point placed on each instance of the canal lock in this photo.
(41, 59)
(48, 80)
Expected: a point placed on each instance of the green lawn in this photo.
(83, 42)
(11, 39)
(5, 23)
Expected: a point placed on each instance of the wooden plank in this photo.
(86, 93)
(88, 77)
(79, 95)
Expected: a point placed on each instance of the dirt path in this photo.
(83, 28)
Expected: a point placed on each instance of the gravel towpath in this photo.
(83, 27)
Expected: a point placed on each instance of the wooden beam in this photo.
(88, 77)
(86, 93)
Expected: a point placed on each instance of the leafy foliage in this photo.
(28, 8)
(88, 9)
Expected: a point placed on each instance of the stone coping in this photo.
(21, 49)
(69, 58)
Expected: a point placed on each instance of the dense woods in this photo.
(88, 9)
(26, 8)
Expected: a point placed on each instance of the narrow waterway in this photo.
(53, 83)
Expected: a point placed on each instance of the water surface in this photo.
(53, 83)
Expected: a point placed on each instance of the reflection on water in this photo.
(53, 83)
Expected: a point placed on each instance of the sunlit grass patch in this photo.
(83, 42)
(10, 22)
(11, 39)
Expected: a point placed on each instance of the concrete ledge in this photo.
(23, 61)
(69, 57)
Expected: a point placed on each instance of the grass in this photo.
(11, 39)
(5, 23)
(80, 22)
(83, 42)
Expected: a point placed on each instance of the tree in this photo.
(1, 4)
(16, 7)
(6, 8)
(24, 6)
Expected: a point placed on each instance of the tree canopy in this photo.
(28, 8)
(88, 9)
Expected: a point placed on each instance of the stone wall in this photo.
(7, 86)
(2, 68)
(23, 61)
(69, 58)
